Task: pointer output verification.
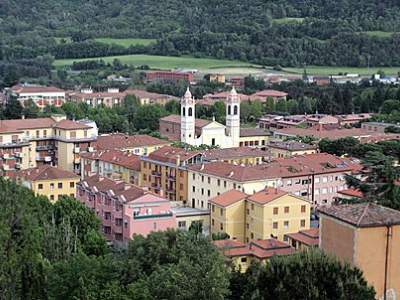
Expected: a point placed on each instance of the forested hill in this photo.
(285, 32)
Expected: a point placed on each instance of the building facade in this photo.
(285, 149)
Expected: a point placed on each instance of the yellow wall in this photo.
(232, 219)
(56, 192)
(144, 150)
(278, 153)
(189, 219)
(262, 140)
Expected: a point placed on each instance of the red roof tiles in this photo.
(45, 172)
(123, 141)
(267, 195)
(228, 198)
(127, 160)
(309, 237)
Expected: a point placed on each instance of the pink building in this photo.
(125, 209)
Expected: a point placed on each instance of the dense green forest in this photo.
(56, 251)
(284, 32)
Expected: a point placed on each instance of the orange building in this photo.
(365, 235)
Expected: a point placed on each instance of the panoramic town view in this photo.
(239, 150)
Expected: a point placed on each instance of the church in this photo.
(187, 129)
(213, 133)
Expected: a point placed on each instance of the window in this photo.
(252, 235)
(72, 184)
(224, 183)
(181, 186)
(51, 186)
(285, 238)
(51, 197)
(286, 224)
(72, 195)
(219, 182)
(183, 111)
(302, 223)
(182, 224)
(209, 179)
(190, 112)
(44, 133)
(221, 211)
(247, 225)
(275, 225)
(193, 189)
(208, 193)
(289, 182)
(72, 134)
(202, 178)
(235, 110)
(85, 133)
(221, 226)
(144, 177)
(194, 176)
(243, 259)
(316, 180)
(234, 185)
(324, 179)
(40, 186)
(303, 208)
(248, 211)
(229, 109)
(202, 191)
(212, 222)
(60, 185)
(276, 210)
(252, 206)
(286, 209)
(37, 133)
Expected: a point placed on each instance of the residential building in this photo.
(270, 213)
(377, 126)
(253, 137)
(220, 78)
(125, 209)
(263, 95)
(317, 177)
(367, 236)
(40, 95)
(169, 76)
(56, 141)
(237, 155)
(163, 171)
(146, 98)
(304, 239)
(284, 149)
(241, 255)
(48, 181)
(109, 98)
(188, 216)
(113, 164)
(139, 144)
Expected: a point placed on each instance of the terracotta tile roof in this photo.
(351, 192)
(117, 157)
(145, 94)
(19, 125)
(332, 134)
(247, 132)
(234, 153)
(35, 89)
(228, 198)
(68, 124)
(291, 145)
(301, 165)
(268, 93)
(308, 237)
(170, 154)
(45, 173)
(261, 249)
(267, 195)
(176, 119)
(362, 214)
(128, 192)
(123, 141)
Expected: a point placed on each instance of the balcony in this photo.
(171, 178)
(45, 147)
(156, 173)
(155, 186)
(15, 143)
(153, 216)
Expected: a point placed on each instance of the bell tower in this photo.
(233, 117)
(187, 118)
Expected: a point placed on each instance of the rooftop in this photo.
(145, 94)
(267, 195)
(248, 132)
(170, 154)
(308, 237)
(45, 172)
(362, 214)
(176, 119)
(117, 157)
(235, 152)
(35, 89)
(291, 145)
(351, 192)
(269, 93)
(228, 198)
(332, 134)
(122, 141)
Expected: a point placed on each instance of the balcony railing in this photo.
(164, 215)
(156, 173)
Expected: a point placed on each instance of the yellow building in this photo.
(304, 239)
(270, 213)
(253, 137)
(286, 149)
(163, 172)
(188, 216)
(28, 143)
(220, 78)
(113, 164)
(48, 181)
(366, 236)
(139, 144)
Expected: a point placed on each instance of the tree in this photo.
(339, 147)
(305, 275)
(270, 105)
(13, 109)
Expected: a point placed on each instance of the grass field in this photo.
(379, 33)
(288, 20)
(322, 70)
(126, 42)
(164, 62)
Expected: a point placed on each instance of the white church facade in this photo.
(214, 133)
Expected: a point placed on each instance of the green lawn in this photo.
(163, 62)
(321, 70)
(126, 42)
(288, 20)
(379, 33)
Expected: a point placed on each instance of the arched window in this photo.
(190, 112)
(183, 111)
(229, 109)
(235, 110)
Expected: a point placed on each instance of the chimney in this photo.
(178, 160)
